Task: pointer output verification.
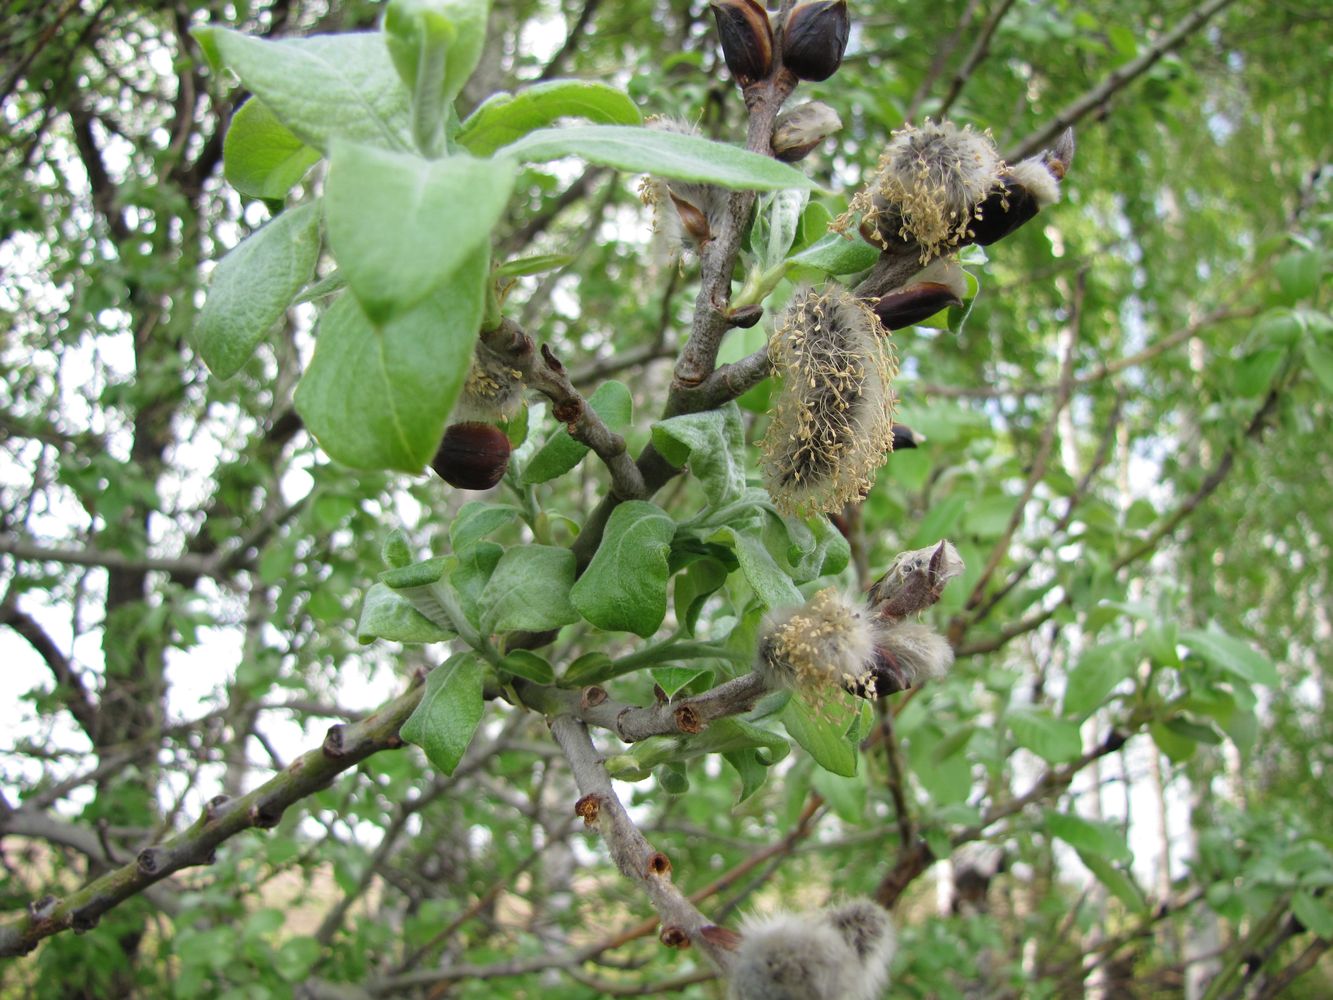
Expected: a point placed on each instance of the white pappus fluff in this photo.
(838, 954)
(685, 214)
(834, 644)
(1036, 179)
(832, 425)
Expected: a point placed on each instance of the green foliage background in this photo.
(168, 532)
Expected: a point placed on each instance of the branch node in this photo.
(659, 866)
(82, 921)
(687, 719)
(41, 909)
(263, 817)
(333, 742)
(568, 411)
(589, 807)
(674, 937)
(149, 861)
(552, 362)
(213, 807)
(591, 697)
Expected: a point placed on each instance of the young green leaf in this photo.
(401, 225)
(624, 588)
(387, 614)
(477, 519)
(261, 156)
(529, 590)
(503, 118)
(321, 86)
(823, 738)
(528, 665)
(837, 254)
(253, 286)
(1232, 655)
(612, 402)
(376, 396)
(1054, 740)
(1120, 883)
(456, 28)
(1089, 836)
(771, 585)
(662, 154)
(449, 712)
(713, 444)
(1097, 673)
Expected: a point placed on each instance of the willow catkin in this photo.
(841, 953)
(832, 423)
(927, 188)
(686, 214)
(493, 389)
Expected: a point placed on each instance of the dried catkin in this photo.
(832, 423)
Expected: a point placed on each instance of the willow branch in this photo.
(635, 858)
(1119, 78)
(344, 747)
(980, 49)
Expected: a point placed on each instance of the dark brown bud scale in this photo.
(905, 437)
(472, 456)
(814, 39)
(913, 304)
(747, 39)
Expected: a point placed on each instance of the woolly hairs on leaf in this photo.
(833, 420)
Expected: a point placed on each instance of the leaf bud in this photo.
(747, 39)
(814, 38)
(905, 437)
(472, 456)
(799, 130)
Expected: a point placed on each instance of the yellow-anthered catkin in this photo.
(493, 389)
(927, 188)
(832, 424)
(821, 649)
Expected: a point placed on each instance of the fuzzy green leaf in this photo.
(503, 118)
(376, 396)
(662, 154)
(477, 519)
(449, 712)
(624, 588)
(1097, 673)
(261, 156)
(528, 665)
(387, 614)
(770, 584)
(253, 286)
(837, 254)
(712, 443)
(322, 86)
(400, 226)
(612, 402)
(1120, 883)
(822, 734)
(529, 590)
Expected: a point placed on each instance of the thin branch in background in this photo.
(1001, 548)
(344, 748)
(1118, 79)
(942, 54)
(975, 57)
(573, 39)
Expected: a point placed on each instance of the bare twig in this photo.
(344, 747)
(629, 849)
(980, 49)
(1119, 78)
